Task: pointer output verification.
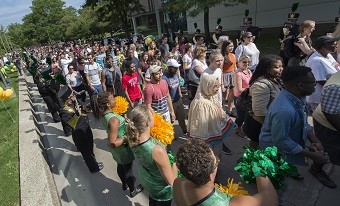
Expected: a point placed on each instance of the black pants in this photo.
(126, 176)
(83, 139)
(52, 105)
(252, 128)
(153, 202)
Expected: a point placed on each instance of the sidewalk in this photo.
(75, 185)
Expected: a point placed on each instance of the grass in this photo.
(9, 143)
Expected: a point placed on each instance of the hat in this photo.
(172, 63)
(293, 15)
(219, 27)
(63, 94)
(154, 69)
(322, 40)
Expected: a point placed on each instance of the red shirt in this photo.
(131, 83)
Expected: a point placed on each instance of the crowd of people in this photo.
(272, 101)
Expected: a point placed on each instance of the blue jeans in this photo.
(8, 83)
(97, 88)
(240, 114)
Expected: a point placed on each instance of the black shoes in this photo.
(323, 178)
(137, 190)
(124, 187)
(100, 167)
(226, 150)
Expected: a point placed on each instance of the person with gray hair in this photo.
(221, 39)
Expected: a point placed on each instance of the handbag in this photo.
(244, 100)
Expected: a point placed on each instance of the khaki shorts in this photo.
(179, 109)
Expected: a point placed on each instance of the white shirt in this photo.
(250, 50)
(186, 58)
(218, 74)
(322, 68)
(93, 70)
(64, 63)
(192, 76)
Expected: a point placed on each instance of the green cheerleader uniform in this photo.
(216, 198)
(148, 172)
(122, 154)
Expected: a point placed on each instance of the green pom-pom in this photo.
(32, 69)
(267, 163)
(246, 12)
(218, 21)
(295, 6)
(46, 76)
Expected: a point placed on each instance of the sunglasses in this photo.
(248, 37)
(245, 62)
(217, 162)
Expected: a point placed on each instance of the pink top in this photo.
(245, 80)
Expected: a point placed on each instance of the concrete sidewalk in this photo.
(73, 184)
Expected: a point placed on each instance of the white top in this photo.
(73, 80)
(93, 70)
(192, 76)
(218, 74)
(64, 63)
(250, 50)
(322, 68)
(186, 58)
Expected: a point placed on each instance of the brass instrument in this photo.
(74, 120)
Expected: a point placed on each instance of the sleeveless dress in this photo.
(216, 197)
(148, 172)
(122, 154)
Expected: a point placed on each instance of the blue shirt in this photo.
(286, 127)
(173, 84)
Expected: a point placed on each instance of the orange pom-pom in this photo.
(162, 130)
(121, 105)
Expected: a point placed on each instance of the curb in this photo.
(37, 185)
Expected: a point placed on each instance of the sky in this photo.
(12, 11)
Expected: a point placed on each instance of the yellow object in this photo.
(12, 70)
(1, 92)
(232, 188)
(14, 67)
(148, 40)
(73, 121)
(7, 94)
(121, 105)
(12, 64)
(5, 67)
(162, 130)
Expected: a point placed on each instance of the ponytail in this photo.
(139, 118)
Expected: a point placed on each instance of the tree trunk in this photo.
(206, 27)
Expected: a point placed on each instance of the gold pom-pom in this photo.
(121, 105)
(232, 188)
(162, 130)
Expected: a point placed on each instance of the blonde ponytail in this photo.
(139, 118)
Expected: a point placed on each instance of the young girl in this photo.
(154, 171)
(114, 124)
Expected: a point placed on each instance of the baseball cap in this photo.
(154, 69)
(172, 63)
(322, 40)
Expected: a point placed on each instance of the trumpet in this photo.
(74, 120)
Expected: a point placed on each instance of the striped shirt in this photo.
(156, 95)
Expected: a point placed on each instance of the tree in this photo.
(117, 11)
(42, 25)
(195, 7)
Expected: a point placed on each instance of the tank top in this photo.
(229, 67)
(216, 197)
(122, 154)
(245, 80)
(148, 172)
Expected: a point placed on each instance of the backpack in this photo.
(244, 101)
(288, 47)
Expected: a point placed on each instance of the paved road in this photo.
(77, 186)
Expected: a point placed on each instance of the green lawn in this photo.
(9, 136)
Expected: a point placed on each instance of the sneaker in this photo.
(124, 187)
(323, 178)
(226, 150)
(137, 190)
